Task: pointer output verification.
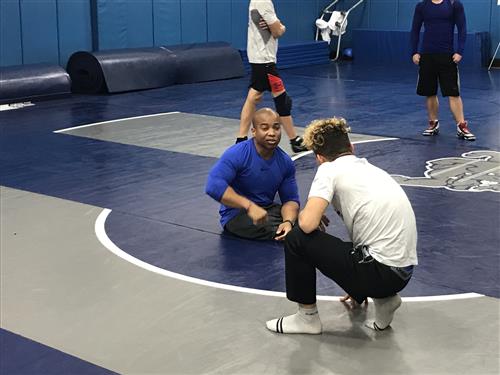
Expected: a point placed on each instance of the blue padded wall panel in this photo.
(167, 22)
(194, 21)
(384, 14)
(112, 27)
(125, 24)
(39, 31)
(307, 15)
(10, 34)
(405, 14)
(219, 20)
(239, 25)
(139, 24)
(476, 12)
(286, 10)
(75, 33)
(494, 28)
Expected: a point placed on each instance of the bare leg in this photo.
(432, 107)
(457, 108)
(248, 110)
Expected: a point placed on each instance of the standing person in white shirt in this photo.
(377, 262)
(264, 29)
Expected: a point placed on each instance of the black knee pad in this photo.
(283, 104)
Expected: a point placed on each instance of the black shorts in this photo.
(242, 226)
(259, 80)
(436, 67)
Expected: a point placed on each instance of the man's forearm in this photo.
(290, 211)
(231, 198)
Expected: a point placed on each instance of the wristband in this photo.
(288, 221)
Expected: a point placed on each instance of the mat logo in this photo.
(474, 171)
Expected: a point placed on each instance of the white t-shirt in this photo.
(262, 47)
(373, 206)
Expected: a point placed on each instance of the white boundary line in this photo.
(102, 236)
(111, 121)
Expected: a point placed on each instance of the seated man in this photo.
(379, 261)
(246, 179)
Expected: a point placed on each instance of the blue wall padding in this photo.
(32, 81)
(125, 24)
(11, 52)
(297, 54)
(219, 20)
(194, 21)
(393, 47)
(74, 28)
(39, 31)
(167, 22)
(122, 70)
(207, 62)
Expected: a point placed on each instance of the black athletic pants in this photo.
(304, 253)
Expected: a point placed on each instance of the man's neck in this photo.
(264, 153)
(437, 2)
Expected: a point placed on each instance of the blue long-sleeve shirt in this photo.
(253, 177)
(439, 22)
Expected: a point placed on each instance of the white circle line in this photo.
(102, 236)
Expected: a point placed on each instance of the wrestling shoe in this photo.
(433, 128)
(464, 132)
(298, 144)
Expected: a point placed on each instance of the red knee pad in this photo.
(276, 83)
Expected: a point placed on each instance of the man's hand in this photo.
(416, 58)
(350, 302)
(323, 223)
(257, 214)
(263, 25)
(283, 230)
(456, 58)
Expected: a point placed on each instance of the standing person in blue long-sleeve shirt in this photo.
(246, 179)
(438, 59)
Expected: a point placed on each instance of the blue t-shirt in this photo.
(439, 22)
(253, 177)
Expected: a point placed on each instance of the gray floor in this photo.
(62, 288)
(162, 131)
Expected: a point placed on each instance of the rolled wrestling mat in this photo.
(86, 73)
(36, 81)
(122, 70)
(201, 62)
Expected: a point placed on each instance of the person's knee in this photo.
(283, 104)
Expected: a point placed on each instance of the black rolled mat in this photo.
(121, 70)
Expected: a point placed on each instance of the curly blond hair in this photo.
(328, 137)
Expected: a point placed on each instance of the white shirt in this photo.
(374, 208)
(262, 47)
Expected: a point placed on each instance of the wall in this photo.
(33, 31)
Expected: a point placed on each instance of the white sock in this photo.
(384, 312)
(306, 320)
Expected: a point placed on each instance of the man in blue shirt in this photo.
(246, 179)
(438, 59)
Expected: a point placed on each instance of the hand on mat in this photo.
(257, 214)
(263, 25)
(283, 230)
(323, 223)
(350, 302)
(456, 58)
(416, 58)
